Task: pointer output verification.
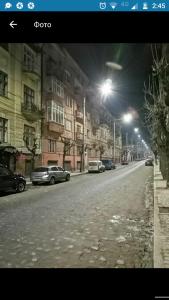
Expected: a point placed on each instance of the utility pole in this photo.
(126, 145)
(114, 140)
(126, 140)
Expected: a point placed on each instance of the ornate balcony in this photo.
(32, 71)
(31, 112)
(50, 96)
(55, 127)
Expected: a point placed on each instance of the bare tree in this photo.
(67, 145)
(32, 149)
(156, 104)
(102, 150)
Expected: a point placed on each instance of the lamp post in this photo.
(136, 130)
(105, 90)
(126, 118)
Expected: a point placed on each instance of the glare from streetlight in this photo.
(106, 88)
(127, 118)
(139, 136)
(136, 130)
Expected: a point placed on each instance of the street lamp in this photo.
(126, 118)
(136, 130)
(106, 88)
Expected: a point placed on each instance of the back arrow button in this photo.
(12, 24)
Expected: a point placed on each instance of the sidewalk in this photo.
(161, 221)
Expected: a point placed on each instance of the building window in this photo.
(88, 133)
(89, 152)
(68, 125)
(55, 113)
(29, 97)
(97, 153)
(79, 150)
(68, 101)
(3, 130)
(79, 129)
(67, 76)
(57, 88)
(3, 83)
(51, 146)
(29, 135)
(29, 56)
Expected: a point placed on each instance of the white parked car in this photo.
(95, 166)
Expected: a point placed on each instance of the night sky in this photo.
(128, 83)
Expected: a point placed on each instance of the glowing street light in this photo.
(106, 88)
(127, 118)
(136, 130)
(139, 136)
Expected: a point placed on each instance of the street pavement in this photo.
(93, 221)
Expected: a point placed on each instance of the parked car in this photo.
(49, 174)
(109, 165)
(95, 166)
(124, 162)
(149, 162)
(10, 181)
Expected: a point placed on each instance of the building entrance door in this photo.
(27, 167)
(68, 165)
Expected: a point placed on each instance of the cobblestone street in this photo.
(95, 220)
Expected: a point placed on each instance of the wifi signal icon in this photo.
(113, 5)
(135, 7)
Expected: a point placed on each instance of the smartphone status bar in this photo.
(84, 5)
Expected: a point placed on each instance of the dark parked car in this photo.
(149, 162)
(49, 174)
(109, 165)
(124, 162)
(10, 181)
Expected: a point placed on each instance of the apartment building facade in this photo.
(65, 128)
(42, 91)
(20, 105)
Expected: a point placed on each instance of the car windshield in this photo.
(41, 169)
(106, 161)
(92, 163)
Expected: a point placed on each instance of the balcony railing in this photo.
(55, 127)
(31, 112)
(31, 70)
(50, 96)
